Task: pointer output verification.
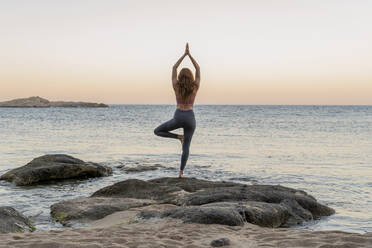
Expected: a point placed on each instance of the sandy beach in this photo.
(122, 229)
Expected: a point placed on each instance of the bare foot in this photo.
(181, 137)
(181, 174)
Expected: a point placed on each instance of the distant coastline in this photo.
(38, 102)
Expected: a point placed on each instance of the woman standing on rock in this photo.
(185, 88)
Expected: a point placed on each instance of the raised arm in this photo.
(197, 68)
(174, 70)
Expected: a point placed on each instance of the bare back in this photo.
(185, 104)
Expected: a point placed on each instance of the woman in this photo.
(185, 88)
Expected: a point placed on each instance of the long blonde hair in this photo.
(186, 83)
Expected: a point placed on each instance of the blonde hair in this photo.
(186, 83)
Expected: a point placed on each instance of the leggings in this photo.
(182, 119)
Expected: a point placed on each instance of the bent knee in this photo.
(157, 131)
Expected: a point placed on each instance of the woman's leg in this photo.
(163, 129)
(188, 133)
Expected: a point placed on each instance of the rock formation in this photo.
(38, 102)
(200, 201)
(54, 167)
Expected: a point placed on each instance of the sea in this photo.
(323, 150)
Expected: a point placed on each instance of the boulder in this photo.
(13, 221)
(196, 192)
(92, 208)
(207, 202)
(54, 167)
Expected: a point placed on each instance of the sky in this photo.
(250, 51)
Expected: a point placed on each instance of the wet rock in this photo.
(220, 242)
(196, 192)
(297, 214)
(92, 208)
(55, 167)
(134, 188)
(13, 221)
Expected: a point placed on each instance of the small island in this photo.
(38, 102)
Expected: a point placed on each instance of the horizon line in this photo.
(227, 104)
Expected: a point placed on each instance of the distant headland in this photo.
(38, 102)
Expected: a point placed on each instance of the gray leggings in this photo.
(184, 119)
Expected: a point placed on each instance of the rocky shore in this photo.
(38, 102)
(169, 212)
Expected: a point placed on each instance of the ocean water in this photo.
(324, 150)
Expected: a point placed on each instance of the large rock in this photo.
(191, 192)
(38, 102)
(13, 221)
(54, 167)
(202, 201)
(92, 208)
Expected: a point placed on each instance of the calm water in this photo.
(324, 150)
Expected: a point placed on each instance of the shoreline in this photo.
(121, 230)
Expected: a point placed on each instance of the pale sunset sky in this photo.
(249, 51)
